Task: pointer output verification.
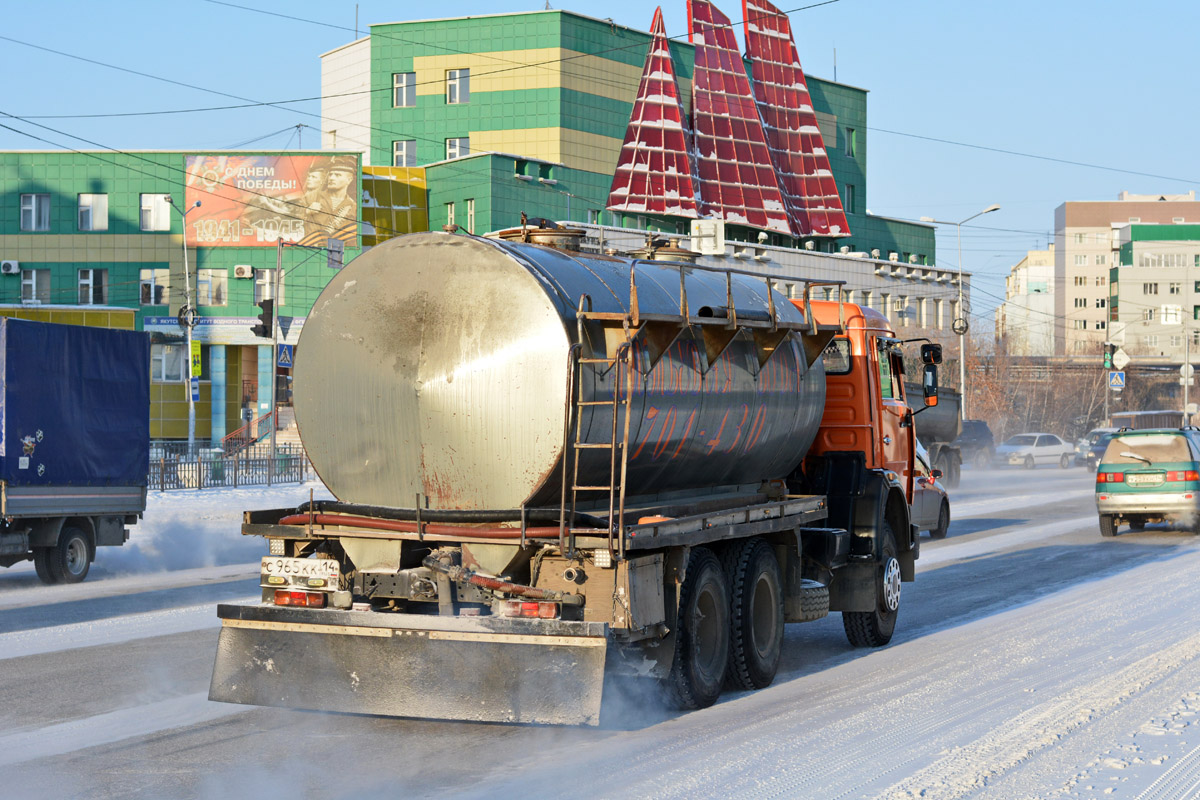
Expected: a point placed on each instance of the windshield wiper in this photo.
(1128, 454)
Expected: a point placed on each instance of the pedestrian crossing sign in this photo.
(1116, 380)
(285, 356)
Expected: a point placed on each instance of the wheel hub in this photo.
(891, 584)
(76, 556)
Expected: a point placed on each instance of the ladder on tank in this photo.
(574, 446)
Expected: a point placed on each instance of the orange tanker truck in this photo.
(553, 467)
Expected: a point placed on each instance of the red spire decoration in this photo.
(737, 177)
(797, 150)
(655, 173)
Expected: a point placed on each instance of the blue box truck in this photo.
(74, 443)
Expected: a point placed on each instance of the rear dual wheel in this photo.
(701, 634)
(755, 614)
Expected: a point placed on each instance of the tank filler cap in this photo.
(541, 231)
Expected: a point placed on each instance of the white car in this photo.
(1031, 449)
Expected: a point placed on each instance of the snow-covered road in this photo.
(1032, 659)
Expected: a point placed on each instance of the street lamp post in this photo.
(187, 318)
(960, 324)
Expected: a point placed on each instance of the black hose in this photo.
(543, 516)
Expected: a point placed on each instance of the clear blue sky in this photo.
(1100, 83)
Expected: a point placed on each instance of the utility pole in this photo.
(274, 350)
(187, 318)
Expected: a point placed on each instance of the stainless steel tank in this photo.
(436, 365)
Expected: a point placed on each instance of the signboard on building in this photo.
(252, 201)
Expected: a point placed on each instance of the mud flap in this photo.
(427, 667)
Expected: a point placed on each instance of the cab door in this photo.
(893, 432)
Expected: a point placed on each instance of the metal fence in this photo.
(171, 468)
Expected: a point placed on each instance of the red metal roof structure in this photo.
(797, 149)
(737, 176)
(655, 172)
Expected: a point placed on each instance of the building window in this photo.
(1176, 340)
(155, 287)
(850, 198)
(1079, 324)
(1196, 263)
(1101, 302)
(1099, 325)
(1150, 341)
(866, 299)
(1148, 315)
(458, 86)
(1149, 288)
(211, 286)
(167, 362)
(35, 286)
(93, 212)
(404, 89)
(470, 215)
(1080, 261)
(264, 286)
(404, 153)
(458, 147)
(851, 142)
(1101, 259)
(1080, 302)
(594, 216)
(449, 213)
(1080, 280)
(1174, 287)
(1080, 238)
(35, 212)
(93, 287)
(156, 212)
(1101, 280)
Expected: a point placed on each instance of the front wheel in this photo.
(71, 559)
(874, 628)
(943, 523)
(1108, 526)
(1029, 462)
(1065, 461)
(701, 634)
(755, 614)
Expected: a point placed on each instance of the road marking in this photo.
(114, 630)
(113, 726)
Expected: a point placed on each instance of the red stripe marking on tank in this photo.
(650, 415)
(686, 430)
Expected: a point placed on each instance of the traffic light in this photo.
(266, 321)
(1109, 349)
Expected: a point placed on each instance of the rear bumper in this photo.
(1150, 503)
(407, 665)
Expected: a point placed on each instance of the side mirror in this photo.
(929, 384)
(936, 473)
(931, 353)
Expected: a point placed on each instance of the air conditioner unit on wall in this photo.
(10, 267)
(243, 271)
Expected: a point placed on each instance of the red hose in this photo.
(437, 529)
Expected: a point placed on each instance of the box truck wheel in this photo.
(755, 613)
(701, 634)
(41, 563)
(874, 628)
(71, 559)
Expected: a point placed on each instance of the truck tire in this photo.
(1108, 526)
(71, 558)
(701, 634)
(943, 523)
(41, 563)
(955, 473)
(755, 614)
(874, 628)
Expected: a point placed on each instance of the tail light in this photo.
(1183, 475)
(530, 609)
(287, 597)
(1110, 477)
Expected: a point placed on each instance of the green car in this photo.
(1149, 476)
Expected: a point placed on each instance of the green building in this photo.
(97, 238)
(526, 112)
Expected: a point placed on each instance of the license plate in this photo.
(309, 572)
(1139, 479)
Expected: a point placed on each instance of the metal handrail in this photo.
(242, 435)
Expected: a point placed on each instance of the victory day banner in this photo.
(248, 201)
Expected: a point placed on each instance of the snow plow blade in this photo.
(484, 669)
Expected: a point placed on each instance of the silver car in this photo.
(930, 505)
(1031, 449)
